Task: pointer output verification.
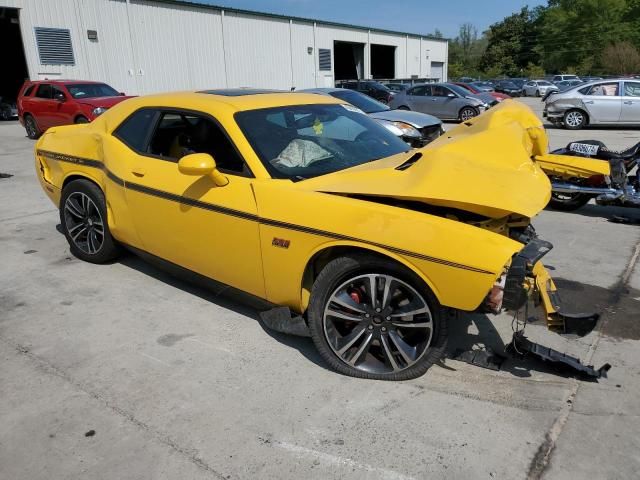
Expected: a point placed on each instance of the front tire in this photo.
(467, 113)
(82, 119)
(574, 120)
(83, 216)
(537, 93)
(30, 125)
(370, 317)
(567, 202)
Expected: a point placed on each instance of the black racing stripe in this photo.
(246, 216)
(61, 157)
(337, 236)
(114, 178)
(191, 202)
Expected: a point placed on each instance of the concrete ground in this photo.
(122, 371)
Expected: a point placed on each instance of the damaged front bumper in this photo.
(528, 280)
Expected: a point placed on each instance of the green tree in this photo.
(534, 71)
(512, 43)
(465, 52)
(621, 58)
(575, 32)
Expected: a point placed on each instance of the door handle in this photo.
(589, 102)
(138, 172)
(628, 102)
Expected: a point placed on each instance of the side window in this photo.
(605, 90)
(440, 91)
(134, 131)
(179, 133)
(44, 91)
(55, 91)
(632, 89)
(419, 91)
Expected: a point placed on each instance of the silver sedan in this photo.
(603, 102)
(443, 100)
(539, 88)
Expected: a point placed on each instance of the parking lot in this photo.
(123, 371)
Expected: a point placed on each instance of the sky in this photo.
(412, 16)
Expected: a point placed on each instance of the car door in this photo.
(630, 112)
(188, 220)
(447, 103)
(604, 103)
(419, 99)
(62, 111)
(42, 105)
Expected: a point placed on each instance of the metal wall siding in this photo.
(150, 46)
(258, 52)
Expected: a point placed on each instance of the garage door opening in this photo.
(348, 60)
(383, 61)
(14, 65)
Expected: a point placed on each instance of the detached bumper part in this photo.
(528, 279)
(281, 319)
(521, 346)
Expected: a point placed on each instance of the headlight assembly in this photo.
(99, 110)
(407, 130)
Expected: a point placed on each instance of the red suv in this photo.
(48, 103)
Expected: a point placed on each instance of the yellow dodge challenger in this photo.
(304, 201)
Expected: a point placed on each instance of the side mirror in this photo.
(200, 165)
(451, 95)
(122, 94)
(59, 97)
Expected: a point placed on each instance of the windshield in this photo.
(91, 90)
(303, 141)
(467, 88)
(459, 90)
(544, 83)
(508, 85)
(360, 100)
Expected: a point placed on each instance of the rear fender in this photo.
(570, 167)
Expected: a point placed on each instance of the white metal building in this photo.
(146, 46)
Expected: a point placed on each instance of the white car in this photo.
(559, 78)
(538, 88)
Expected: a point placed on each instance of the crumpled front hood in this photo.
(483, 166)
(415, 119)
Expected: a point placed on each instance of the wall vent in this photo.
(324, 57)
(54, 46)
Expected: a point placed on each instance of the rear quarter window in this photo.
(28, 91)
(136, 129)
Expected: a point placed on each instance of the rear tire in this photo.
(574, 119)
(567, 202)
(83, 216)
(31, 127)
(378, 344)
(403, 107)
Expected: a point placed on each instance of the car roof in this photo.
(327, 90)
(65, 81)
(234, 102)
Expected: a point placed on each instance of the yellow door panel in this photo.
(191, 222)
